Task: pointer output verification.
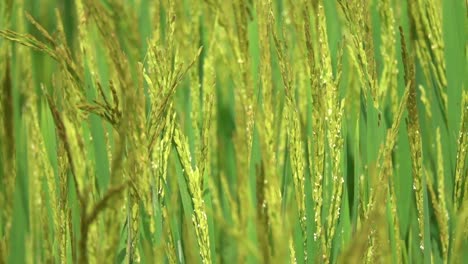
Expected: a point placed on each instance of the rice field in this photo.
(233, 131)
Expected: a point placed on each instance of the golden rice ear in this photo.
(414, 134)
(193, 178)
(460, 192)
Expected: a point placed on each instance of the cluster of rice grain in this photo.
(210, 131)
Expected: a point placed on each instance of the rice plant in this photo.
(233, 131)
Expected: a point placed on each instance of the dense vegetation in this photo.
(232, 131)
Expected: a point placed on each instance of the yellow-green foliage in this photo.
(237, 131)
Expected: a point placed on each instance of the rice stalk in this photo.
(316, 144)
(193, 178)
(331, 113)
(414, 135)
(461, 165)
